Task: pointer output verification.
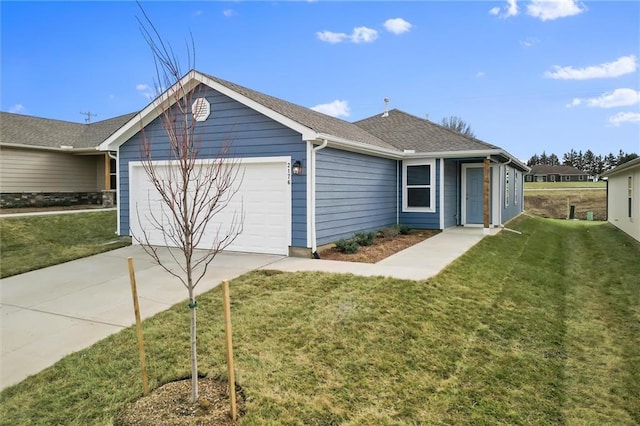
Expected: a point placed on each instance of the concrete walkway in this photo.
(52, 312)
(419, 262)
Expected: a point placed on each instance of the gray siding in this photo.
(515, 206)
(249, 134)
(29, 170)
(354, 193)
(450, 208)
(422, 220)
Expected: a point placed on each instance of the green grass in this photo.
(34, 242)
(557, 185)
(538, 328)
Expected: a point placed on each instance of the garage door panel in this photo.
(262, 202)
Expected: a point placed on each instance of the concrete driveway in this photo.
(52, 312)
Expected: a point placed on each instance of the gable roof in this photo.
(544, 169)
(37, 132)
(622, 167)
(408, 132)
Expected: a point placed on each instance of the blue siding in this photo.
(354, 193)
(515, 206)
(422, 220)
(249, 134)
(450, 208)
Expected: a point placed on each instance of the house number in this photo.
(288, 173)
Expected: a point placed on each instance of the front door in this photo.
(475, 195)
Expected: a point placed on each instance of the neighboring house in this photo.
(623, 197)
(387, 169)
(544, 173)
(47, 162)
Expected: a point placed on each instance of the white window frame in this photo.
(432, 186)
(515, 188)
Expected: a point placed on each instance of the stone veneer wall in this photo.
(48, 199)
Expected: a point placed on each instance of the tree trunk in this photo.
(194, 354)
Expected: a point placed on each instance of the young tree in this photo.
(457, 124)
(191, 192)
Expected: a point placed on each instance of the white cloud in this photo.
(197, 13)
(397, 25)
(364, 35)
(331, 37)
(508, 10)
(17, 108)
(336, 108)
(548, 10)
(359, 35)
(480, 74)
(145, 90)
(624, 117)
(621, 66)
(529, 42)
(228, 13)
(617, 98)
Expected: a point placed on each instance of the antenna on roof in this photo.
(386, 107)
(89, 115)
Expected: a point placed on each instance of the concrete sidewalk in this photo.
(419, 262)
(52, 312)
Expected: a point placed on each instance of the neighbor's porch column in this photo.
(107, 172)
(486, 197)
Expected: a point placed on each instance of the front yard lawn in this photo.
(34, 242)
(538, 328)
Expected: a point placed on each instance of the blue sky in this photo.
(526, 75)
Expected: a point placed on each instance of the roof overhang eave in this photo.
(90, 150)
(359, 147)
(469, 153)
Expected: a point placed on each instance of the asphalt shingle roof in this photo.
(406, 131)
(314, 120)
(44, 132)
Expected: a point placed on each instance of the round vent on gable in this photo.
(200, 109)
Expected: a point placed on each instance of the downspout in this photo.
(314, 238)
(397, 192)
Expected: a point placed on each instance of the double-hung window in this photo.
(418, 185)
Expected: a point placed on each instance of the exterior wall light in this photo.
(297, 167)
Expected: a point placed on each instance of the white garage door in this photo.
(263, 199)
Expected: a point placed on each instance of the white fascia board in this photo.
(472, 153)
(359, 147)
(622, 167)
(168, 98)
(49, 148)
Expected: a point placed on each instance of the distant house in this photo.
(623, 197)
(46, 162)
(310, 179)
(544, 173)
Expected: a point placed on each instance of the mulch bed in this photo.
(169, 405)
(382, 248)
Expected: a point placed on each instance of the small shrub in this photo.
(364, 238)
(390, 232)
(403, 229)
(347, 246)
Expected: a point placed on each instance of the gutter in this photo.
(312, 176)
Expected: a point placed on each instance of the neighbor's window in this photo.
(506, 187)
(630, 192)
(418, 186)
(516, 184)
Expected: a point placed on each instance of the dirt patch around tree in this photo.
(169, 405)
(382, 248)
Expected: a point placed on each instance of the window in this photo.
(630, 194)
(581, 177)
(506, 187)
(516, 185)
(418, 186)
(112, 173)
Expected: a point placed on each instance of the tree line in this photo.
(588, 162)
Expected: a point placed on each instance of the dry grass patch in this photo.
(553, 204)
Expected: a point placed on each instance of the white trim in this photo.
(314, 234)
(441, 197)
(118, 203)
(240, 161)
(431, 162)
(310, 170)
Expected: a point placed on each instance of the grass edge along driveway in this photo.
(536, 328)
(33, 242)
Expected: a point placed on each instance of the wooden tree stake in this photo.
(136, 309)
(227, 328)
